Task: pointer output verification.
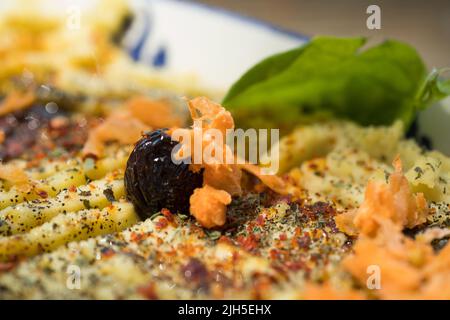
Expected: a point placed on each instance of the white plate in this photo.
(214, 44)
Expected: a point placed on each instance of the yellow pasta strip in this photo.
(46, 188)
(69, 227)
(94, 170)
(72, 176)
(102, 167)
(49, 168)
(25, 216)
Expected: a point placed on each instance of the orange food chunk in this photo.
(393, 201)
(273, 182)
(154, 113)
(212, 115)
(127, 124)
(408, 269)
(209, 206)
(345, 222)
(119, 126)
(223, 177)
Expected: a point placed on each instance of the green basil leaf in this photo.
(332, 77)
(264, 70)
(434, 88)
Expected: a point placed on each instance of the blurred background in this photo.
(424, 24)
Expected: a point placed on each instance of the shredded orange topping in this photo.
(120, 126)
(409, 269)
(154, 113)
(273, 182)
(393, 201)
(16, 101)
(223, 177)
(218, 176)
(127, 124)
(207, 200)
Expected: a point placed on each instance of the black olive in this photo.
(153, 181)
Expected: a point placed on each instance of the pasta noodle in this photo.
(69, 227)
(25, 216)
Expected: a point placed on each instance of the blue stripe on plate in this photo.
(159, 60)
(136, 51)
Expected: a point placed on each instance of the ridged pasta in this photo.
(69, 227)
(70, 200)
(102, 167)
(25, 216)
(48, 168)
(62, 176)
(48, 187)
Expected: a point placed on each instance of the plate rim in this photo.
(268, 26)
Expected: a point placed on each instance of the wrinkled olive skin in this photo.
(154, 182)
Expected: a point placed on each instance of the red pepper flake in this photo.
(40, 155)
(248, 243)
(279, 254)
(261, 220)
(169, 216)
(7, 266)
(225, 239)
(313, 166)
(148, 291)
(136, 237)
(72, 188)
(283, 237)
(166, 213)
(295, 265)
(274, 254)
(161, 223)
(42, 194)
(107, 253)
(195, 230)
